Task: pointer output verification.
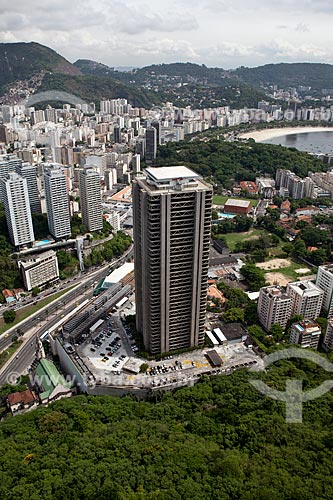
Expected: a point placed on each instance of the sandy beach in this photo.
(270, 133)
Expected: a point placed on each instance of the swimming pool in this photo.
(42, 242)
(226, 216)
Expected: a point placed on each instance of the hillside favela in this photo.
(166, 258)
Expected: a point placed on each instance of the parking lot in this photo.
(110, 347)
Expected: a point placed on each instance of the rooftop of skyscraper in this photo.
(175, 178)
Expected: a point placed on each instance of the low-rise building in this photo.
(40, 270)
(250, 187)
(8, 296)
(20, 402)
(234, 332)
(305, 333)
(234, 206)
(50, 383)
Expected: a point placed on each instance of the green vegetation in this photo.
(232, 239)
(10, 276)
(77, 226)
(112, 248)
(68, 264)
(220, 200)
(94, 88)
(9, 316)
(316, 75)
(25, 312)
(41, 228)
(224, 163)
(6, 355)
(254, 276)
(218, 440)
(20, 61)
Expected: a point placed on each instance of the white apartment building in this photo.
(14, 190)
(91, 201)
(113, 218)
(306, 334)
(325, 282)
(307, 299)
(328, 340)
(274, 306)
(57, 202)
(40, 270)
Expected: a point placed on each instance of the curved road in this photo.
(20, 363)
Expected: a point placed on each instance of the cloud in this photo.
(302, 28)
(113, 15)
(304, 6)
(224, 33)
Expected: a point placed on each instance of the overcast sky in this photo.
(224, 33)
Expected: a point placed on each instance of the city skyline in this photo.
(220, 33)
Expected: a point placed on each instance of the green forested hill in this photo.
(227, 161)
(220, 440)
(19, 61)
(316, 75)
(94, 88)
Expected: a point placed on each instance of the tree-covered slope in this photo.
(88, 67)
(226, 161)
(94, 88)
(316, 75)
(220, 440)
(20, 61)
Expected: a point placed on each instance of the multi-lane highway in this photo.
(20, 362)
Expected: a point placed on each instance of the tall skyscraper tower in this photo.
(17, 208)
(172, 218)
(91, 202)
(57, 203)
(151, 145)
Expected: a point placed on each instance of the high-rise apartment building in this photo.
(91, 201)
(29, 173)
(15, 197)
(151, 145)
(274, 306)
(57, 202)
(328, 339)
(172, 217)
(307, 299)
(325, 282)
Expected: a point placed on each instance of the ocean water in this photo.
(312, 142)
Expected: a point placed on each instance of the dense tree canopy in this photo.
(220, 440)
(226, 161)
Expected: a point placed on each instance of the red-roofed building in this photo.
(285, 206)
(8, 296)
(249, 186)
(19, 402)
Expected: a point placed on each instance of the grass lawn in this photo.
(8, 353)
(220, 200)
(25, 312)
(232, 238)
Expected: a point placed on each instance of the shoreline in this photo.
(271, 133)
